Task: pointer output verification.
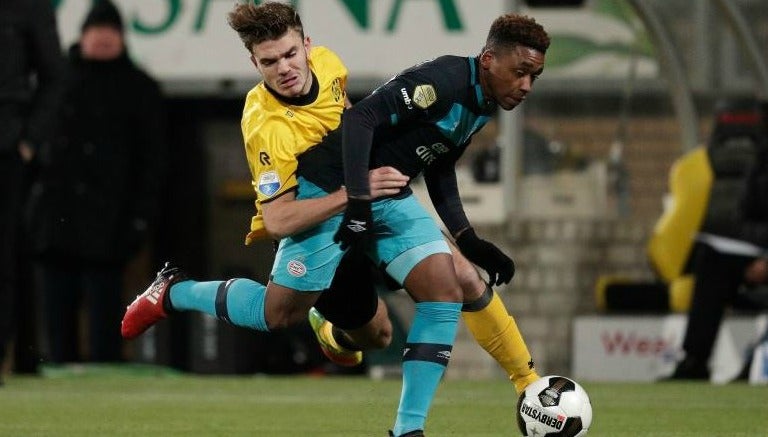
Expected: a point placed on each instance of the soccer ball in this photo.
(554, 406)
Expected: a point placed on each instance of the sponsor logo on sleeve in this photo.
(424, 96)
(269, 183)
(336, 89)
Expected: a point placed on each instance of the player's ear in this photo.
(307, 45)
(485, 58)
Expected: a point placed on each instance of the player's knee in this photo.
(472, 285)
(433, 280)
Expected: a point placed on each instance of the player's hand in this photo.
(386, 181)
(486, 255)
(355, 228)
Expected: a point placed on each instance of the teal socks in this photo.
(425, 357)
(237, 301)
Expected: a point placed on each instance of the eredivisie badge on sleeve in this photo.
(269, 183)
(424, 96)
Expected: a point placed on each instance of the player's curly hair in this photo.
(511, 29)
(265, 22)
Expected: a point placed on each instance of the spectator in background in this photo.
(486, 159)
(30, 90)
(98, 191)
(723, 269)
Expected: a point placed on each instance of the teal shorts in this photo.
(404, 234)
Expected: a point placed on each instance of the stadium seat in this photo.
(705, 186)
(669, 246)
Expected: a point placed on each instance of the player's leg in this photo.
(239, 301)
(350, 317)
(428, 347)
(417, 256)
(491, 325)
(303, 265)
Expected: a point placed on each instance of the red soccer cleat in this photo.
(149, 307)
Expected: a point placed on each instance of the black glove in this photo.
(500, 267)
(355, 229)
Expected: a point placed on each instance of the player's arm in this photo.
(390, 104)
(285, 216)
(444, 193)
(443, 189)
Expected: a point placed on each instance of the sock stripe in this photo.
(481, 302)
(221, 301)
(430, 352)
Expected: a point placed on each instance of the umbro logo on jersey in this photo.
(446, 355)
(357, 226)
(406, 98)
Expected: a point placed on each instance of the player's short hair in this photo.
(265, 22)
(512, 29)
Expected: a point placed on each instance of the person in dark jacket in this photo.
(98, 192)
(721, 272)
(30, 89)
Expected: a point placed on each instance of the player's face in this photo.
(507, 76)
(284, 64)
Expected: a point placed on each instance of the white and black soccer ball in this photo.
(554, 406)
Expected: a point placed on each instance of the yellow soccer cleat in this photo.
(336, 353)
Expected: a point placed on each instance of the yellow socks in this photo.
(496, 331)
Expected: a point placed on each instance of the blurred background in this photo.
(571, 184)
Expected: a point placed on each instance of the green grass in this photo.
(161, 403)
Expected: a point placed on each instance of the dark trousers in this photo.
(67, 288)
(12, 194)
(718, 278)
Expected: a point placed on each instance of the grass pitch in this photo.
(161, 403)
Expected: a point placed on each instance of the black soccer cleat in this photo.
(416, 433)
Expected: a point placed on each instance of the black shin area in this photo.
(351, 301)
(481, 302)
(434, 353)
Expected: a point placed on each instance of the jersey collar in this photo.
(474, 78)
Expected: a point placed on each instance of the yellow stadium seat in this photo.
(670, 245)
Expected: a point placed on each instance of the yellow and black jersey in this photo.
(276, 130)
